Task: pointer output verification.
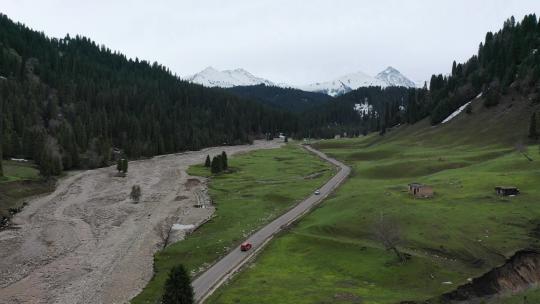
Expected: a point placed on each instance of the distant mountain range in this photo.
(211, 77)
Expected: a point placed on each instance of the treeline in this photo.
(66, 102)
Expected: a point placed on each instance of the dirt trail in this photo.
(88, 243)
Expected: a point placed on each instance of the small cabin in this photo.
(506, 191)
(420, 190)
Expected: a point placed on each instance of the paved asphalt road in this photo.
(212, 278)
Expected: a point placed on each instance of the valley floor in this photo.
(87, 242)
(331, 256)
(258, 187)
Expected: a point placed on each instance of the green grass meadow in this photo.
(20, 181)
(464, 231)
(261, 186)
(14, 171)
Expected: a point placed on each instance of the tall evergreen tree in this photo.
(1, 168)
(178, 289)
(1, 137)
(216, 164)
(208, 162)
(119, 164)
(533, 133)
(224, 161)
(124, 166)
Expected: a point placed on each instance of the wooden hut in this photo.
(420, 190)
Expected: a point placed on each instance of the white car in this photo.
(317, 192)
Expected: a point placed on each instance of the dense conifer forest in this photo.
(387, 108)
(66, 102)
(506, 60)
(290, 99)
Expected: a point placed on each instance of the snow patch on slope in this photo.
(458, 111)
(363, 108)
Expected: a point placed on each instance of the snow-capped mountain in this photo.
(349, 82)
(394, 78)
(343, 84)
(211, 77)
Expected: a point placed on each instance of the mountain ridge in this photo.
(390, 77)
(211, 77)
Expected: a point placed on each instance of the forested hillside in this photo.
(66, 102)
(283, 98)
(508, 62)
(367, 109)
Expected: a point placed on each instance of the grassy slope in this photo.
(464, 231)
(262, 186)
(21, 180)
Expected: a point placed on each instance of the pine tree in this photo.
(178, 289)
(1, 169)
(1, 141)
(533, 133)
(385, 121)
(119, 164)
(124, 166)
(208, 162)
(216, 164)
(224, 161)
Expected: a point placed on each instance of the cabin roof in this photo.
(506, 187)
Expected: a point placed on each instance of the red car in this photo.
(245, 246)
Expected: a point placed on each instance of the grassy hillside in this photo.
(331, 256)
(503, 125)
(262, 185)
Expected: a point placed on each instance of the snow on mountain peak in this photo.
(343, 84)
(211, 77)
(394, 78)
(353, 81)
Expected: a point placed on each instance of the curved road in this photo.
(205, 284)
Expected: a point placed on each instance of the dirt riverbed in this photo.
(87, 242)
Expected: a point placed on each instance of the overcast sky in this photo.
(287, 41)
